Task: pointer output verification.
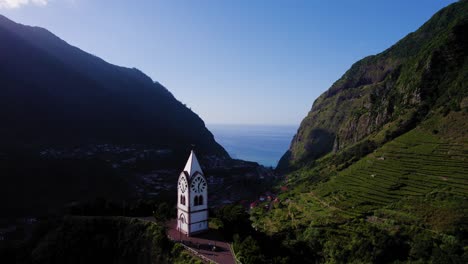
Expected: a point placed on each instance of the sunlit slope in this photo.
(420, 177)
(389, 93)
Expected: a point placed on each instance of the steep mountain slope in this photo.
(54, 93)
(383, 96)
(378, 171)
(70, 121)
(405, 201)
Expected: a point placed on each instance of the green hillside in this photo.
(378, 170)
(422, 173)
(405, 201)
(96, 239)
(382, 96)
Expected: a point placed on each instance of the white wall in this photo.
(198, 216)
(199, 227)
(187, 198)
(180, 207)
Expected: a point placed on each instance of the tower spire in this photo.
(192, 164)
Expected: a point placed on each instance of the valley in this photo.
(97, 161)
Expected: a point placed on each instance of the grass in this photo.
(420, 177)
(414, 164)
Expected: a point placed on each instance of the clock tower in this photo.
(192, 198)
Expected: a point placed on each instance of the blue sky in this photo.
(232, 62)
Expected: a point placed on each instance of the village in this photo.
(117, 154)
(230, 180)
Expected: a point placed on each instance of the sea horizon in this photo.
(261, 143)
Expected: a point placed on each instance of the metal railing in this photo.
(194, 252)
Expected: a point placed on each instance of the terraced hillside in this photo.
(421, 164)
(378, 170)
(415, 185)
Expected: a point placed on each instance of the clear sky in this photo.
(238, 62)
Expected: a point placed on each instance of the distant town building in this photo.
(253, 204)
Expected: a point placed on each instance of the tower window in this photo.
(196, 200)
(182, 199)
(200, 200)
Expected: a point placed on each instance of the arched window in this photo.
(182, 199)
(196, 200)
(200, 200)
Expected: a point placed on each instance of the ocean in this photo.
(264, 144)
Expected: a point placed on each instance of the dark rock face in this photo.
(384, 95)
(56, 94)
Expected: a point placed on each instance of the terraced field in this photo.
(421, 175)
(416, 164)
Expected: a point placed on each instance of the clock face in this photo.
(198, 185)
(182, 184)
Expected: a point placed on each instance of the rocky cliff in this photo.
(385, 95)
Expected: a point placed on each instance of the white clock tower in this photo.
(192, 199)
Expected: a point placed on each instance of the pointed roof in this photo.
(192, 165)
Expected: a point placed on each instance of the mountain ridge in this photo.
(75, 127)
(131, 96)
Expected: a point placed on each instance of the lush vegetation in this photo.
(249, 244)
(80, 239)
(378, 170)
(34, 186)
(403, 202)
(160, 210)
